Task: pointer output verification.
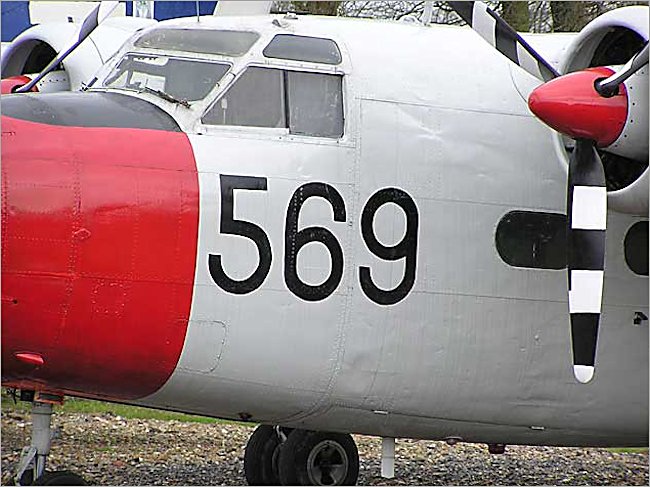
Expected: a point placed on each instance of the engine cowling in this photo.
(32, 50)
(611, 40)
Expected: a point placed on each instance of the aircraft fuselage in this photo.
(350, 283)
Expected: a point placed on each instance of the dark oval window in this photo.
(636, 248)
(301, 48)
(532, 239)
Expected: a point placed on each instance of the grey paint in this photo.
(479, 349)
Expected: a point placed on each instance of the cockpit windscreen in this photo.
(183, 79)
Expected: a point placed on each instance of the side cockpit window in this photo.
(255, 100)
(305, 103)
(315, 104)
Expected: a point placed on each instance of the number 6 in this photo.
(294, 240)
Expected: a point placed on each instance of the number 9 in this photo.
(405, 249)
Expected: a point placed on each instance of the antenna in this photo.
(198, 18)
(428, 13)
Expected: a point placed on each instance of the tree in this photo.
(524, 16)
(571, 16)
(516, 14)
(317, 8)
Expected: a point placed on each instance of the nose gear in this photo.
(33, 460)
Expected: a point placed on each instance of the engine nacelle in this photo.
(611, 40)
(32, 50)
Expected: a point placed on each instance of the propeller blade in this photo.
(608, 87)
(587, 222)
(89, 24)
(586, 188)
(504, 38)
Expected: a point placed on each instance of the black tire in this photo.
(61, 477)
(318, 458)
(27, 478)
(269, 461)
(258, 457)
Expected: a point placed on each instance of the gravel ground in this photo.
(110, 450)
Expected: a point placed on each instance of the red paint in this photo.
(8, 85)
(30, 358)
(99, 239)
(571, 105)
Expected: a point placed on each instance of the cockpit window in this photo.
(201, 41)
(305, 103)
(184, 79)
(301, 48)
(255, 100)
(315, 104)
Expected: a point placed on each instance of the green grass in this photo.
(130, 412)
(88, 406)
(643, 449)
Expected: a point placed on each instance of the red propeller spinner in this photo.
(571, 105)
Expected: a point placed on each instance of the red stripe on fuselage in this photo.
(99, 239)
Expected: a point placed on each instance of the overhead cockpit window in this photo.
(636, 248)
(201, 41)
(183, 79)
(532, 239)
(301, 48)
(305, 103)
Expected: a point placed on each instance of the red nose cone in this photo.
(98, 254)
(571, 105)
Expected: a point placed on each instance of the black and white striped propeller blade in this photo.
(89, 24)
(586, 196)
(504, 38)
(609, 85)
(587, 218)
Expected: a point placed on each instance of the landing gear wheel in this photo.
(258, 458)
(318, 458)
(61, 477)
(27, 478)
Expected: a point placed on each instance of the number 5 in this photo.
(230, 226)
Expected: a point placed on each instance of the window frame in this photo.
(284, 132)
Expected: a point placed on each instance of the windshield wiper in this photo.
(164, 96)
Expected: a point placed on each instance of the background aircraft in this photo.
(267, 218)
(18, 16)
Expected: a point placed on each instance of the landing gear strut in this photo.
(31, 469)
(300, 457)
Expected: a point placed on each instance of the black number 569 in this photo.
(296, 238)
